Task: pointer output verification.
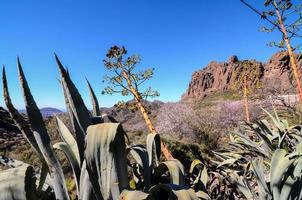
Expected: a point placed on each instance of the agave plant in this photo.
(265, 163)
(97, 153)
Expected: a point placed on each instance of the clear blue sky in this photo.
(176, 37)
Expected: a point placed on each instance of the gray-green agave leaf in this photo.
(141, 157)
(153, 148)
(19, 120)
(18, 184)
(68, 138)
(77, 110)
(133, 194)
(41, 135)
(95, 104)
(106, 160)
(86, 189)
(175, 169)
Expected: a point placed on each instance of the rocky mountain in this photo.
(275, 75)
(46, 112)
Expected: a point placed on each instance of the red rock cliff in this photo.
(274, 75)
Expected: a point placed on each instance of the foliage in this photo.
(220, 96)
(290, 14)
(285, 17)
(202, 125)
(123, 78)
(264, 162)
(129, 81)
(100, 172)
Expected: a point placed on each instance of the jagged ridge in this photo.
(275, 75)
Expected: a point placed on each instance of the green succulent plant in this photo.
(265, 162)
(97, 152)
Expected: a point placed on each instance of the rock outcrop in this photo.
(275, 75)
(10, 135)
(6, 122)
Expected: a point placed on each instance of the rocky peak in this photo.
(217, 77)
(233, 59)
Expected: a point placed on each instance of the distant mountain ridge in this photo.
(219, 76)
(46, 112)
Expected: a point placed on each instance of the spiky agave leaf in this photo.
(163, 192)
(42, 138)
(251, 145)
(194, 164)
(68, 138)
(72, 160)
(140, 155)
(18, 184)
(175, 169)
(18, 119)
(11, 163)
(266, 134)
(133, 194)
(241, 184)
(78, 112)
(202, 175)
(70, 149)
(288, 188)
(298, 168)
(280, 124)
(280, 163)
(86, 189)
(189, 194)
(107, 118)
(171, 191)
(94, 101)
(76, 102)
(202, 195)
(153, 148)
(105, 155)
(257, 168)
(25, 130)
(42, 178)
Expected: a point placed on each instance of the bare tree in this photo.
(286, 18)
(125, 80)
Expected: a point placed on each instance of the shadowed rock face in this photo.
(6, 123)
(10, 135)
(278, 73)
(217, 77)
